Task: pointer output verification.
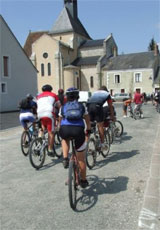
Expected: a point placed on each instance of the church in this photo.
(66, 56)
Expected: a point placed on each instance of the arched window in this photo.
(42, 70)
(91, 82)
(49, 69)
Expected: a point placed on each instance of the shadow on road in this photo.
(115, 156)
(99, 186)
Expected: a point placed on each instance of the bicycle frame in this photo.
(76, 163)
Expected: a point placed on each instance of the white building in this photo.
(18, 76)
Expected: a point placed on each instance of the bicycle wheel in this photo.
(118, 130)
(56, 152)
(91, 153)
(25, 142)
(111, 134)
(37, 153)
(57, 138)
(106, 150)
(72, 186)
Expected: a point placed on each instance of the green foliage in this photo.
(151, 45)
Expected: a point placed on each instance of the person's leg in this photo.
(65, 148)
(100, 126)
(64, 134)
(82, 164)
(124, 110)
(80, 145)
(50, 140)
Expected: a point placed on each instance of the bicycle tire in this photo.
(119, 128)
(90, 153)
(57, 138)
(111, 135)
(72, 186)
(37, 153)
(105, 151)
(25, 142)
(57, 153)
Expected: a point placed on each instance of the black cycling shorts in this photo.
(75, 132)
(95, 112)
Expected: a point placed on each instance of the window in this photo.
(138, 77)
(5, 66)
(42, 70)
(91, 82)
(49, 69)
(3, 88)
(117, 78)
(45, 55)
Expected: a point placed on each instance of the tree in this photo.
(151, 45)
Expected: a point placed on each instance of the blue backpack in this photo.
(73, 110)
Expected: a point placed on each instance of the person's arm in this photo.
(87, 120)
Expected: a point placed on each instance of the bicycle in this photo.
(38, 150)
(74, 177)
(93, 148)
(137, 112)
(114, 128)
(28, 135)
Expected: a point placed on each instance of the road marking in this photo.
(148, 215)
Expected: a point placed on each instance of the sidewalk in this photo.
(149, 217)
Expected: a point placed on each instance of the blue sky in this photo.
(132, 23)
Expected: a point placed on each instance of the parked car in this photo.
(120, 96)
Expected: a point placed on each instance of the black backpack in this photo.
(24, 104)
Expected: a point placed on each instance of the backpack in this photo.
(73, 110)
(24, 104)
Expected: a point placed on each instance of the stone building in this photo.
(67, 56)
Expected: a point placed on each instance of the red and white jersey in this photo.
(45, 104)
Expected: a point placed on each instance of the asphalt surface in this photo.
(124, 191)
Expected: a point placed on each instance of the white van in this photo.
(84, 96)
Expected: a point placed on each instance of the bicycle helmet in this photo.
(47, 88)
(72, 93)
(29, 96)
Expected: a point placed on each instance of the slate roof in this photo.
(65, 23)
(131, 61)
(86, 61)
(92, 43)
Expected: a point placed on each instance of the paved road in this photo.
(123, 192)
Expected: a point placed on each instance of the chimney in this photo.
(114, 51)
(71, 5)
(156, 51)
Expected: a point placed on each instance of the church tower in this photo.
(71, 5)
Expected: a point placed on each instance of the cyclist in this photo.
(45, 110)
(27, 111)
(96, 110)
(138, 100)
(72, 125)
(62, 99)
(157, 98)
(126, 104)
